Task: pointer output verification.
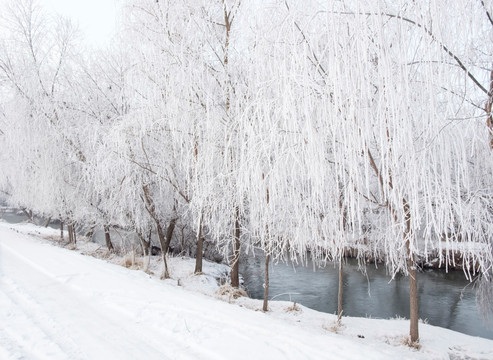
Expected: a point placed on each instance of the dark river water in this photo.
(445, 299)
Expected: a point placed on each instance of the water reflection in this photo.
(445, 299)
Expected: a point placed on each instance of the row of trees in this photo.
(291, 126)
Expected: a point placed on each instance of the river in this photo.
(445, 299)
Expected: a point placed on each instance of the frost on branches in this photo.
(293, 127)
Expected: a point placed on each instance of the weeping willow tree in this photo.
(377, 128)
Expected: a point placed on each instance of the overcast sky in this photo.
(96, 18)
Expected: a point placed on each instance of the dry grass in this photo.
(400, 340)
(131, 262)
(334, 327)
(227, 290)
(407, 341)
(99, 253)
(293, 308)
(53, 238)
(71, 246)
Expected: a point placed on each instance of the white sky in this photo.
(96, 18)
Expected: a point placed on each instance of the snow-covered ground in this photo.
(57, 303)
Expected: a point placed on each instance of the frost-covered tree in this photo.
(373, 108)
(36, 60)
(190, 58)
(296, 127)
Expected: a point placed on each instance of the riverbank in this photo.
(447, 299)
(60, 304)
(431, 261)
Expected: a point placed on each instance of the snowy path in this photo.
(57, 304)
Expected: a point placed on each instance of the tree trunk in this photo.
(413, 280)
(107, 238)
(267, 255)
(339, 293)
(164, 247)
(145, 244)
(90, 233)
(266, 282)
(29, 214)
(164, 241)
(169, 233)
(488, 106)
(343, 210)
(71, 233)
(47, 222)
(200, 249)
(61, 228)
(413, 301)
(413, 277)
(235, 273)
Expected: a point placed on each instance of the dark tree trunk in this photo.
(343, 210)
(235, 273)
(169, 233)
(182, 243)
(145, 244)
(61, 228)
(339, 293)
(90, 233)
(164, 247)
(413, 278)
(488, 106)
(266, 282)
(198, 254)
(267, 256)
(164, 241)
(146, 247)
(107, 238)
(411, 265)
(71, 233)
(200, 249)
(29, 214)
(413, 302)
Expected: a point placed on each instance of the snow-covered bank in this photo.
(57, 304)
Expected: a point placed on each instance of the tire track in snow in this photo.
(70, 300)
(77, 320)
(15, 340)
(32, 325)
